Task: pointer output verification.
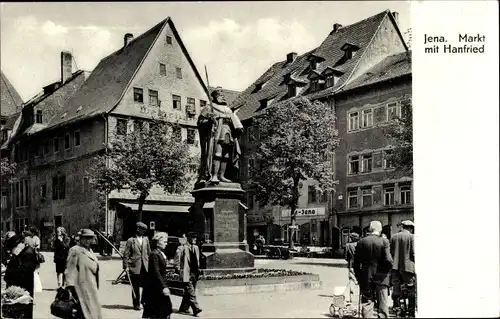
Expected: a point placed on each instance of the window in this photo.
(190, 136)
(388, 163)
(163, 69)
(45, 147)
(153, 98)
(58, 187)
(77, 138)
(56, 144)
(18, 192)
(352, 198)
(176, 102)
(191, 108)
(66, 142)
(169, 39)
(43, 192)
(353, 121)
(203, 103)
(22, 190)
(405, 194)
(86, 185)
(405, 108)
(4, 199)
(392, 111)
(39, 117)
(330, 80)
(313, 64)
(389, 196)
(121, 127)
(354, 164)
(367, 197)
(311, 194)
(177, 133)
(36, 150)
(314, 85)
(367, 118)
(367, 163)
(178, 73)
(324, 197)
(138, 95)
(263, 103)
(5, 135)
(292, 90)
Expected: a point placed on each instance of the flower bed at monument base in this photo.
(261, 280)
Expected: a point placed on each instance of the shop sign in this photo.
(305, 212)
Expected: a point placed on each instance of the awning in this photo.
(157, 208)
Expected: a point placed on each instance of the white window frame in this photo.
(366, 192)
(406, 190)
(352, 161)
(367, 118)
(353, 193)
(353, 120)
(151, 96)
(364, 160)
(386, 161)
(391, 191)
(396, 107)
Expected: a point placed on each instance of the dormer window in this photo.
(349, 50)
(292, 90)
(314, 85)
(314, 61)
(263, 103)
(331, 76)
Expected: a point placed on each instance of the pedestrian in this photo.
(21, 267)
(187, 265)
(350, 249)
(156, 295)
(403, 269)
(372, 267)
(82, 276)
(136, 259)
(110, 247)
(61, 247)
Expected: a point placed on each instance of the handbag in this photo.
(65, 305)
(40, 258)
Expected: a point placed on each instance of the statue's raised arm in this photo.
(219, 130)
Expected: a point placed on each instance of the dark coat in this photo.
(372, 262)
(402, 251)
(21, 268)
(156, 304)
(61, 249)
(350, 249)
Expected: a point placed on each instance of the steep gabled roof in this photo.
(393, 66)
(11, 119)
(359, 34)
(105, 88)
(11, 101)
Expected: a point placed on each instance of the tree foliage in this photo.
(149, 156)
(8, 170)
(400, 135)
(296, 139)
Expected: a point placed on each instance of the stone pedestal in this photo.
(219, 214)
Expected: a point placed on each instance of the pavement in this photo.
(116, 299)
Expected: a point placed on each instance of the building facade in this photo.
(346, 55)
(152, 76)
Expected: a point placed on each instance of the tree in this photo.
(148, 156)
(8, 170)
(400, 135)
(296, 138)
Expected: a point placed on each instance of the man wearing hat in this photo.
(403, 269)
(187, 265)
(372, 267)
(136, 259)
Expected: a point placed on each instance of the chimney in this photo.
(396, 16)
(290, 57)
(66, 66)
(336, 27)
(127, 38)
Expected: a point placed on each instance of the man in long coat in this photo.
(136, 259)
(187, 265)
(372, 267)
(403, 269)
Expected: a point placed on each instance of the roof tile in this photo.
(11, 101)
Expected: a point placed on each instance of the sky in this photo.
(237, 41)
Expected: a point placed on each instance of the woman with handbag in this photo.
(82, 276)
(156, 295)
